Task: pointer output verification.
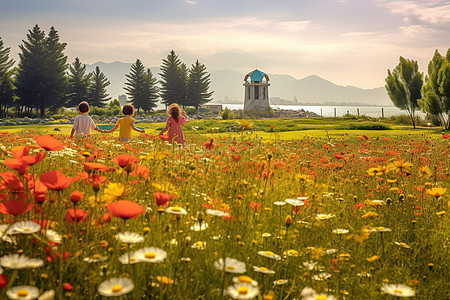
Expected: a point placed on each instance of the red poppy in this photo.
(20, 151)
(445, 136)
(209, 144)
(339, 156)
(125, 209)
(67, 286)
(16, 164)
(3, 281)
(55, 180)
(15, 207)
(164, 137)
(76, 215)
(31, 160)
(124, 159)
(236, 157)
(142, 171)
(48, 142)
(76, 196)
(163, 198)
(88, 166)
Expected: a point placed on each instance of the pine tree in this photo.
(403, 86)
(56, 66)
(151, 92)
(135, 86)
(97, 95)
(41, 81)
(78, 83)
(173, 80)
(198, 85)
(6, 86)
(31, 70)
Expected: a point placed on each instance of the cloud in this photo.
(432, 12)
(190, 2)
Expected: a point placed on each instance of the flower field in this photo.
(229, 217)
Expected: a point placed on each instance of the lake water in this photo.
(329, 111)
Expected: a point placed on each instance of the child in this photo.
(176, 118)
(126, 124)
(83, 122)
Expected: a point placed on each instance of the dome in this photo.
(256, 75)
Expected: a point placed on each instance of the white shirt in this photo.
(83, 124)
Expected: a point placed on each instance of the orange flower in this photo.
(164, 137)
(55, 180)
(436, 192)
(76, 196)
(76, 215)
(11, 182)
(48, 142)
(142, 171)
(209, 144)
(88, 166)
(125, 209)
(124, 159)
(15, 207)
(20, 151)
(16, 164)
(163, 198)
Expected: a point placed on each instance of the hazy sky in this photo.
(349, 42)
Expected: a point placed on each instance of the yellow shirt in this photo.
(125, 126)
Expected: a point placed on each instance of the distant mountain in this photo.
(228, 87)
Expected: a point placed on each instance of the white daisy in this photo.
(245, 279)
(269, 254)
(176, 210)
(217, 213)
(325, 216)
(115, 287)
(150, 255)
(48, 295)
(35, 263)
(340, 231)
(199, 226)
(320, 296)
(230, 265)
(263, 270)
(242, 291)
(129, 237)
(53, 236)
(23, 292)
(128, 258)
(95, 258)
(398, 290)
(322, 276)
(200, 245)
(381, 229)
(330, 251)
(295, 202)
(24, 227)
(279, 203)
(280, 281)
(14, 261)
(307, 292)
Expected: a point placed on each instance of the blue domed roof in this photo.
(256, 75)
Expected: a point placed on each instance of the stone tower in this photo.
(256, 96)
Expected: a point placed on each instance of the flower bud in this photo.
(288, 220)
(76, 196)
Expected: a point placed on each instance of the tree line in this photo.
(43, 81)
(408, 90)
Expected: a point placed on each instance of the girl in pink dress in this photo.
(176, 118)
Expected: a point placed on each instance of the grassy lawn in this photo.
(284, 129)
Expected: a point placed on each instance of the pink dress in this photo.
(175, 132)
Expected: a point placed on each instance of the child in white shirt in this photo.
(83, 122)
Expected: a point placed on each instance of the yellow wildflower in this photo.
(362, 234)
(424, 172)
(116, 191)
(370, 214)
(436, 192)
(373, 258)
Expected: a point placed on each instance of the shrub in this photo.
(227, 114)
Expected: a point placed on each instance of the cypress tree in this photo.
(152, 91)
(97, 95)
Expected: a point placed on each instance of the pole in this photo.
(335, 112)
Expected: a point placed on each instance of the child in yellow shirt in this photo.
(126, 124)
